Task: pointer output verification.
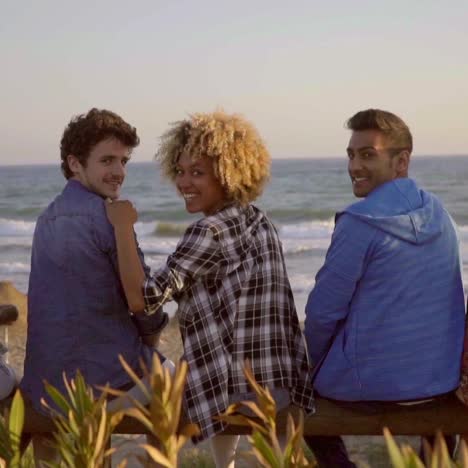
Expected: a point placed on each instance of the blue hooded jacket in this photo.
(385, 320)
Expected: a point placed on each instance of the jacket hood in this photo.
(401, 209)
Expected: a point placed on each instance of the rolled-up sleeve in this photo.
(196, 256)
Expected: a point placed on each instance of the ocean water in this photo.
(301, 198)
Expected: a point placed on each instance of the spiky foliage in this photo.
(438, 457)
(83, 426)
(266, 449)
(11, 428)
(161, 417)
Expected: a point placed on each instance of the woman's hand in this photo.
(121, 213)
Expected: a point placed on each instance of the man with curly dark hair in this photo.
(78, 315)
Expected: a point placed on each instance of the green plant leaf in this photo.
(261, 446)
(396, 456)
(82, 398)
(67, 455)
(57, 398)
(256, 410)
(157, 455)
(134, 377)
(69, 387)
(6, 451)
(463, 452)
(123, 463)
(139, 416)
(16, 423)
(74, 427)
(101, 434)
(111, 391)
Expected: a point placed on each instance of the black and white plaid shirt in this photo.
(235, 303)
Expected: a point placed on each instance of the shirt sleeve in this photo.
(329, 301)
(105, 239)
(197, 255)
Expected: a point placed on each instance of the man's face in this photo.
(370, 163)
(105, 169)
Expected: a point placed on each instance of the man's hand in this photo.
(121, 213)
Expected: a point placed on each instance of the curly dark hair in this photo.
(392, 126)
(85, 131)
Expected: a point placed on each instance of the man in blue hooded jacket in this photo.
(385, 319)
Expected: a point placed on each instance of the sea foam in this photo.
(14, 267)
(12, 227)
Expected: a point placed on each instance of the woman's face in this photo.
(197, 183)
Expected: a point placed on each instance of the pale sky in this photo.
(296, 69)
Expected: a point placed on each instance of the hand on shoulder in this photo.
(121, 213)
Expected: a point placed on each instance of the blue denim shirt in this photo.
(78, 317)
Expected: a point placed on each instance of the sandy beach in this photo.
(365, 451)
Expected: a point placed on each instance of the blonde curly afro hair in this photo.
(241, 161)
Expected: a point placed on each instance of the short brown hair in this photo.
(240, 158)
(397, 132)
(86, 130)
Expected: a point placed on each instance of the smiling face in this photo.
(197, 183)
(372, 161)
(104, 171)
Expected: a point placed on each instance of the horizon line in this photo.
(295, 158)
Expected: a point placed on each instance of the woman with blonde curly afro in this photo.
(227, 275)
(240, 160)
